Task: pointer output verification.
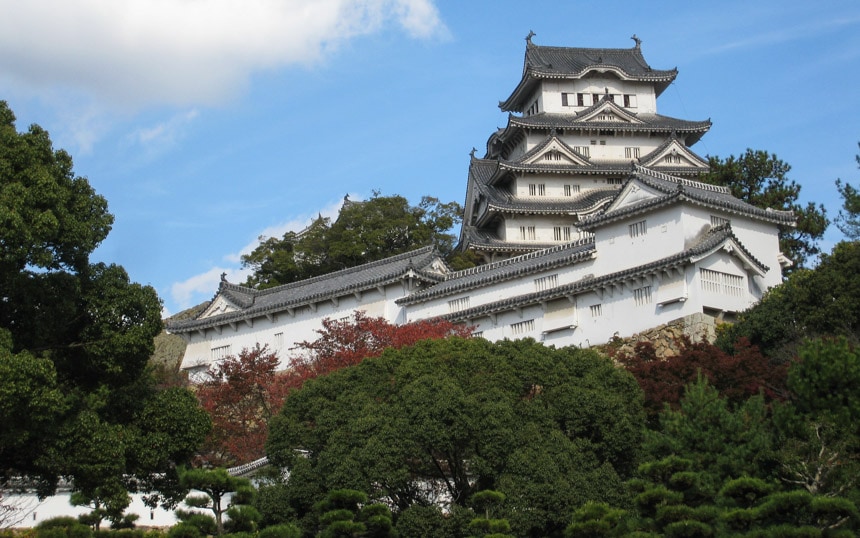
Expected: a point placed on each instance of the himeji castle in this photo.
(585, 211)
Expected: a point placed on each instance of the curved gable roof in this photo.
(542, 63)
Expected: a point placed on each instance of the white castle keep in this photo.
(585, 210)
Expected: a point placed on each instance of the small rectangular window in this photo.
(583, 150)
(220, 352)
(642, 296)
(537, 189)
(527, 233)
(596, 310)
(629, 101)
(637, 229)
(718, 221)
(546, 282)
(564, 99)
(570, 190)
(456, 305)
(631, 153)
(595, 98)
(523, 327)
(278, 341)
(614, 181)
(722, 283)
(580, 99)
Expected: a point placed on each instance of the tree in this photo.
(761, 179)
(216, 485)
(241, 393)
(848, 220)
(366, 231)
(446, 418)
(347, 342)
(75, 336)
(737, 376)
(811, 303)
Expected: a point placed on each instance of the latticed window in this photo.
(596, 310)
(718, 221)
(722, 283)
(672, 159)
(585, 151)
(523, 327)
(455, 305)
(220, 352)
(278, 341)
(642, 296)
(570, 190)
(637, 229)
(537, 189)
(527, 233)
(631, 153)
(546, 282)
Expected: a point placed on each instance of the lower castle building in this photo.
(585, 210)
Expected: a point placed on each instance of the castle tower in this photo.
(579, 119)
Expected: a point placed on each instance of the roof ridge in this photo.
(522, 257)
(397, 257)
(681, 180)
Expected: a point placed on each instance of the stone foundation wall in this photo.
(697, 327)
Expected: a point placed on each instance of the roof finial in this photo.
(530, 36)
(472, 153)
(224, 277)
(637, 40)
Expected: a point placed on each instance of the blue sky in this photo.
(207, 123)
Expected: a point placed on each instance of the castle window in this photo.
(552, 156)
(637, 229)
(629, 101)
(537, 189)
(455, 305)
(718, 221)
(614, 181)
(570, 189)
(564, 99)
(595, 98)
(594, 142)
(722, 283)
(672, 159)
(631, 153)
(278, 341)
(219, 353)
(596, 310)
(523, 327)
(642, 296)
(561, 233)
(527, 233)
(583, 150)
(546, 282)
(580, 99)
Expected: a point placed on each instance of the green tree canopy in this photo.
(824, 301)
(75, 336)
(761, 179)
(365, 231)
(848, 220)
(548, 428)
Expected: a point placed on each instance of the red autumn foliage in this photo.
(241, 394)
(737, 376)
(347, 342)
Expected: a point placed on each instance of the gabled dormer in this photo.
(554, 151)
(607, 110)
(673, 154)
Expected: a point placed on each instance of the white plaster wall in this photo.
(551, 92)
(297, 328)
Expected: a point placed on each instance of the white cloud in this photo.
(203, 286)
(183, 52)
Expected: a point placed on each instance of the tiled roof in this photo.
(585, 202)
(650, 123)
(486, 240)
(557, 256)
(677, 189)
(257, 303)
(568, 62)
(666, 144)
(714, 239)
